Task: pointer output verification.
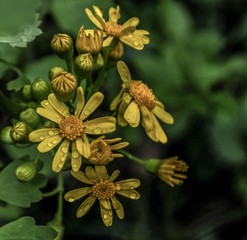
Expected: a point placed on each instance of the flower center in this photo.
(142, 95)
(112, 29)
(71, 127)
(100, 151)
(104, 189)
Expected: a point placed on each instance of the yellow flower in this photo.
(136, 101)
(72, 130)
(104, 189)
(169, 171)
(126, 33)
(102, 150)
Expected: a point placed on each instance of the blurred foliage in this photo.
(196, 63)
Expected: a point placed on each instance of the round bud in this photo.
(30, 116)
(26, 171)
(19, 132)
(64, 85)
(40, 89)
(84, 63)
(26, 92)
(32, 104)
(54, 71)
(5, 135)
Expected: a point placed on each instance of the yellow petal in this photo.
(159, 133)
(132, 194)
(58, 106)
(49, 143)
(118, 207)
(114, 175)
(60, 156)
(80, 101)
(83, 147)
(123, 71)
(163, 115)
(42, 134)
(129, 183)
(107, 41)
(105, 203)
(47, 105)
(147, 121)
(76, 159)
(76, 194)
(93, 18)
(132, 114)
(134, 21)
(119, 145)
(106, 215)
(53, 116)
(85, 206)
(92, 104)
(98, 11)
(81, 176)
(132, 42)
(114, 14)
(91, 174)
(116, 101)
(101, 171)
(127, 31)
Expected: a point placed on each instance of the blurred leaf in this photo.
(9, 212)
(16, 84)
(25, 228)
(19, 193)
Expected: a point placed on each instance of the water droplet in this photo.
(97, 130)
(105, 216)
(60, 165)
(133, 196)
(62, 158)
(75, 154)
(71, 199)
(130, 35)
(117, 187)
(41, 137)
(87, 112)
(64, 149)
(59, 119)
(51, 132)
(136, 43)
(49, 144)
(74, 166)
(110, 213)
(54, 141)
(46, 103)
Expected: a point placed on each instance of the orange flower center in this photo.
(142, 95)
(112, 29)
(71, 127)
(103, 190)
(100, 152)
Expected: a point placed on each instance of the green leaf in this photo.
(25, 228)
(18, 193)
(16, 84)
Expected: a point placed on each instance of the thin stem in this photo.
(15, 69)
(132, 157)
(59, 213)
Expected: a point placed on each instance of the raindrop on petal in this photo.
(49, 144)
(133, 196)
(75, 154)
(97, 130)
(62, 158)
(51, 132)
(64, 149)
(71, 199)
(136, 43)
(41, 137)
(105, 216)
(87, 112)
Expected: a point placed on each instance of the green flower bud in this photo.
(19, 132)
(26, 171)
(62, 45)
(84, 64)
(48, 124)
(64, 85)
(32, 104)
(26, 92)
(152, 165)
(30, 116)
(54, 71)
(5, 135)
(40, 89)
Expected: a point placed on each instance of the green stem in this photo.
(15, 69)
(59, 214)
(132, 157)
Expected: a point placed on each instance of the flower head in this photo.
(126, 33)
(104, 189)
(102, 150)
(71, 130)
(136, 100)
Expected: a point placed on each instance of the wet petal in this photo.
(76, 194)
(132, 114)
(119, 145)
(81, 176)
(93, 18)
(91, 174)
(132, 194)
(60, 156)
(163, 115)
(49, 143)
(134, 21)
(127, 31)
(97, 11)
(123, 71)
(58, 106)
(129, 183)
(146, 118)
(101, 171)
(80, 101)
(92, 104)
(159, 132)
(116, 101)
(133, 42)
(53, 116)
(42, 134)
(47, 105)
(106, 215)
(118, 207)
(76, 159)
(105, 204)
(85, 206)
(114, 14)
(114, 175)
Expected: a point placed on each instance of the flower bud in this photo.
(40, 89)
(54, 71)
(26, 171)
(118, 52)
(98, 62)
(26, 92)
(48, 124)
(62, 45)
(84, 64)
(64, 85)
(30, 116)
(5, 135)
(89, 41)
(19, 132)
(32, 104)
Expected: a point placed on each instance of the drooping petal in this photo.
(129, 183)
(76, 194)
(116, 100)
(80, 101)
(106, 215)
(117, 207)
(92, 104)
(86, 146)
(132, 194)
(53, 116)
(83, 146)
(81, 176)
(42, 134)
(49, 143)
(101, 171)
(123, 71)
(60, 156)
(159, 132)
(76, 159)
(58, 106)
(93, 18)
(163, 115)
(132, 114)
(119, 145)
(98, 11)
(85, 206)
(133, 42)
(134, 21)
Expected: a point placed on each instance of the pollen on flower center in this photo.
(103, 190)
(142, 95)
(71, 127)
(112, 28)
